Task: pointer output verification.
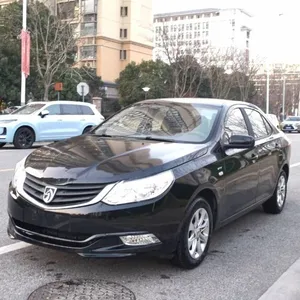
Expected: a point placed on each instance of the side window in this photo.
(258, 123)
(86, 110)
(54, 109)
(268, 126)
(235, 123)
(70, 109)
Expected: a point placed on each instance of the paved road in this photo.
(245, 259)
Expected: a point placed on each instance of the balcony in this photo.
(88, 53)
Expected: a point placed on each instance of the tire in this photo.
(24, 138)
(2, 145)
(184, 256)
(87, 129)
(276, 203)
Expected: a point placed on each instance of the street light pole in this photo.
(283, 98)
(268, 90)
(23, 79)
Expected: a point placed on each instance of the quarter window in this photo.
(258, 124)
(235, 123)
(85, 110)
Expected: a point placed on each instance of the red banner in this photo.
(25, 64)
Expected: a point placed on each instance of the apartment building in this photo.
(202, 29)
(111, 33)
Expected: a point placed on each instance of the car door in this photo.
(71, 120)
(269, 153)
(50, 125)
(240, 168)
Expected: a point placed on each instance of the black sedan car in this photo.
(160, 176)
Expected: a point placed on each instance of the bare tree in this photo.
(185, 61)
(245, 72)
(53, 45)
(219, 69)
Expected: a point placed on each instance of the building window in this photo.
(88, 52)
(123, 33)
(123, 54)
(124, 11)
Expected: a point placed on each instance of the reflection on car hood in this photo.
(92, 159)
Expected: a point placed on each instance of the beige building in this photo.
(112, 33)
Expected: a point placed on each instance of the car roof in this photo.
(61, 102)
(207, 101)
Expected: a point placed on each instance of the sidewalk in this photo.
(287, 287)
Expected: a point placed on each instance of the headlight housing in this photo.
(139, 190)
(19, 173)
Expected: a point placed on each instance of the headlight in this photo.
(7, 121)
(19, 172)
(139, 190)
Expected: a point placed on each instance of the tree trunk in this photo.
(46, 92)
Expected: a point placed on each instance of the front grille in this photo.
(67, 194)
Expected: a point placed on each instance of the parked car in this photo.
(291, 124)
(161, 175)
(46, 122)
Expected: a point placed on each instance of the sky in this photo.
(273, 36)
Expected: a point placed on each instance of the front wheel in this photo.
(195, 236)
(276, 203)
(24, 138)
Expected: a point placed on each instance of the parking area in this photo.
(245, 257)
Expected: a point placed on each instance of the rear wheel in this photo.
(2, 145)
(195, 236)
(24, 138)
(276, 203)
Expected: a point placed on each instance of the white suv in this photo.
(47, 121)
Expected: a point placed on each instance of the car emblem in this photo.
(49, 193)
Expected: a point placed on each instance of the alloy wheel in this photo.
(281, 191)
(198, 233)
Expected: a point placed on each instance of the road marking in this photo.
(13, 247)
(6, 170)
(295, 165)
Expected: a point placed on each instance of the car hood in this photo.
(93, 159)
(291, 122)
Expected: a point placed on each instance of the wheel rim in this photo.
(198, 233)
(281, 191)
(25, 138)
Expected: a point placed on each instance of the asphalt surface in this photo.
(245, 258)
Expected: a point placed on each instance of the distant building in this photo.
(110, 34)
(203, 29)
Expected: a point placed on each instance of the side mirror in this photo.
(240, 142)
(44, 113)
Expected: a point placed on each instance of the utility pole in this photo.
(283, 98)
(24, 30)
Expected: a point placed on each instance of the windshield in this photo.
(170, 121)
(293, 119)
(28, 109)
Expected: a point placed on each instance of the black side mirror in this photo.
(44, 113)
(240, 142)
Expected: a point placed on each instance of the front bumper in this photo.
(94, 231)
(289, 127)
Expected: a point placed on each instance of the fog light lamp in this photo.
(139, 240)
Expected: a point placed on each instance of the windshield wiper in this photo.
(150, 138)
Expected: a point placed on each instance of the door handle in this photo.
(82, 120)
(59, 120)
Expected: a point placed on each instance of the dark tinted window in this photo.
(70, 109)
(85, 110)
(182, 122)
(54, 109)
(258, 123)
(235, 123)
